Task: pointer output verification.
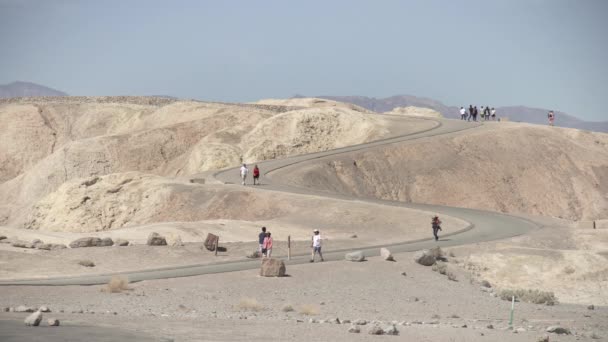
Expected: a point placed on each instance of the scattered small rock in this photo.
(178, 242)
(23, 308)
(591, 307)
(86, 263)
(490, 326)
(390, 329)
(33, 319)
(544, 338)
(313, 320)
(355, 256)
(519, 330)
(85, 242)
(360, 322)
(2, 237)
(486, 284)
(354, 329)
(425, 258)
(404, 274)
(155, 239)
(53, 322)
(21, 244)
(44, 308)
(254, 255)
(556, 329)
(375, 330)
(333, 320)
(345, 321)
(121, 242)
(386, 254)
(354, 236)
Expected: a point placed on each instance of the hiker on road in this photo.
(316, 245)
(244, 172)
(267, 245)
(256, 175)
(436, 223)
(261, 238)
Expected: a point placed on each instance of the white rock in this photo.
(386, 254)
(33, 319)
(53, 322)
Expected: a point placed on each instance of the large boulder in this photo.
(2, 237)
(23, 308)
(106, 242)
(425, 258)
(85, 242)
(272, 268)
(51, 246)
(355, 256)
(556, 329)
(33, 319)
(22, 244)
(121, 242)
(386, 254)
(155, 239)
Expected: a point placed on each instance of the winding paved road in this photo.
(485, 225)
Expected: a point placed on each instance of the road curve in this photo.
(484, 225)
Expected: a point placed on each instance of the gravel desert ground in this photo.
(123, 168)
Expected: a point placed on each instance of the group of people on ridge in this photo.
(244, 171)
(486, 113)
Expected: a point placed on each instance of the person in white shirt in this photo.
(316, 245)
(244, 172)
(493, 114)
(463, 113)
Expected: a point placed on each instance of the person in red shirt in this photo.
(256, 175)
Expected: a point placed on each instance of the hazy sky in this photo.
(542, 53)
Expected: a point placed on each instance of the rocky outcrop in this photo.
(425, 257)
(33, 319)
(85, 242)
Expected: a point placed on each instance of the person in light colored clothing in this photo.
(316, 245)
(244, 172)
(463, 113)
(268, 245)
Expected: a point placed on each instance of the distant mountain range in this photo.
(514, 113)
(27, 89)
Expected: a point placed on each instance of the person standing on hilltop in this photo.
(470, 112)
(475, 113)
(436, 223)
(493, 112)
(551, 117)
(316, 245)
(486, 113)
(256, 175)
(244, 172)
(483, 113)
(463, 113)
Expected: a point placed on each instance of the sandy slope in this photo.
(517, 168)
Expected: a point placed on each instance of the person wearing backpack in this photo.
(486, 113)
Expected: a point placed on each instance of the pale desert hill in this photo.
(515, 168)
(415, 111)
(307, 102)
(51, 141)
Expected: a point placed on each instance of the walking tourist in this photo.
(436, 223)
(244, 172)
(316, 245)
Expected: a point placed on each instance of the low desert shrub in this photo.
(309, 310)
(117, 284)
(529, 296)
(249, 304)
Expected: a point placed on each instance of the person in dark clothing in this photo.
(436, 223)
(475, 112)
(471, 110)
(486, 113)
(261, 238)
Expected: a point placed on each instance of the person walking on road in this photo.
(256, 175)
(551, 117)
(436, 223)
(316, 245)
(261, 238)
(463, 113)
(244, 172)
(268, 245)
